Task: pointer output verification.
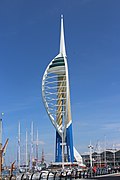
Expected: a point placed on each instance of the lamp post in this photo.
(114, 150)
(114, 158)
(105, 160)
(63, 148)
(90, 148)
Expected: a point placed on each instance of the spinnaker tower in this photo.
(56, 98)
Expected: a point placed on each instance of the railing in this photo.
(61, 175)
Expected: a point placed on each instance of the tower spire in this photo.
(62, 40)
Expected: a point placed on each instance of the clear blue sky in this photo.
(29, 40)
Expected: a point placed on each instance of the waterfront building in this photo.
(56, 98)
(108, 158)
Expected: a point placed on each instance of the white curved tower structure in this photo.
(56, 98)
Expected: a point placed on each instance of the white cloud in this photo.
(111, 126)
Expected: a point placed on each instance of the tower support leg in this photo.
(58, 150)
(69, 143)
(69, 146)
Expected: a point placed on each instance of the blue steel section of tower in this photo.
(69, 143)
(69, 146)
(58, 150)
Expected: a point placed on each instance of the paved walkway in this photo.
(115, 176)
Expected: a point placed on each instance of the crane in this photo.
(2, 153)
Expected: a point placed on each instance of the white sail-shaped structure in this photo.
(56, 98)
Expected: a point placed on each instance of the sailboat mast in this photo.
(37, 146)
(0, 146)
(19, 146)
(0, 133)
(26, 150)
(31, 158)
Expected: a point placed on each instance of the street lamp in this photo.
(63, 148)
(114, 150)
(90, 148)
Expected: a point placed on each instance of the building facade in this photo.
(108, 158)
